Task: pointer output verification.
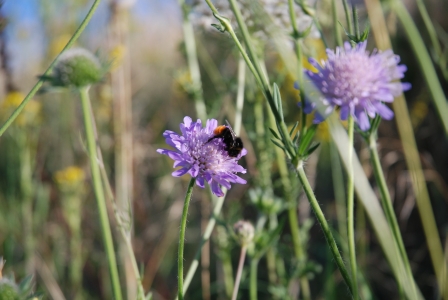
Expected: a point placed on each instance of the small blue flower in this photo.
(203, 159)
(358, 83)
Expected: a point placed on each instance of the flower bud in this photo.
(244, 231)
(77, 67)
(8, 290)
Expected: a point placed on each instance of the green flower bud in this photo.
(77, 67)
(244, 231)
(8, 290)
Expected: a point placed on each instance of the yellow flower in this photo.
(30, 115)
(317, 48)
(69, 176)
(58, 44)
(418, 113)
(117, 55)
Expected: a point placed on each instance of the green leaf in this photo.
(274, 133)
(278, 145)
(278, 100)
(365, 33)
(307, 138)
(312, 149)
(293, 128)
(220, 28)
(350, 36)
(268, 239)
(26, 284)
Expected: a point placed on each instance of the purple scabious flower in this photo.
(358, 83)
(203, 159)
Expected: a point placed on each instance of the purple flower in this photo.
(203, 160)
(358, 82)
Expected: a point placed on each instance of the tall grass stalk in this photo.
(193, 64)
(121, 85)
(438, 52)
(369, 200)
(404, 125)
(99, 193)
(388, 208)
(39, 83)
(424, 61)
(253, 287)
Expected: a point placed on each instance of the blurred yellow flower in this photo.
(69, 176)
(58, 44)
(318, 51)
(418, 113)
(117, 55)
(30, 115)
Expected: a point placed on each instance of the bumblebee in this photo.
(234, 144)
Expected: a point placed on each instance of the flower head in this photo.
(358, 82)
(204, 159)
(244, 231)
(77, 67)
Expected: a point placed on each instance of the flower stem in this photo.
(253, 278)
(324, 225)
(183, 225)
(299, 251)
(254, 67)
(299, 55)
(388, 207)
(351, 208)
(207, 233)
(239, 272)
(99, 193)
(38, 85)
(337, 30)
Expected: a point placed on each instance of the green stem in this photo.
(124, 233)
(299, 252)
(299, 55)
(193, 64)
(254, 67)
(324, 225)
(127, 240)
(347, 16)
(424, 61)
(253, 278)
(183, 226)
(239, 272)
(339, 192)
(99, 193)
(351, 208)
(432, 35)
(228, 275)
(271, 254)
(388, 207)
(207, 233)
(38, 85)
(336, 29)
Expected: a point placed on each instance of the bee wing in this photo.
(231, 129)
